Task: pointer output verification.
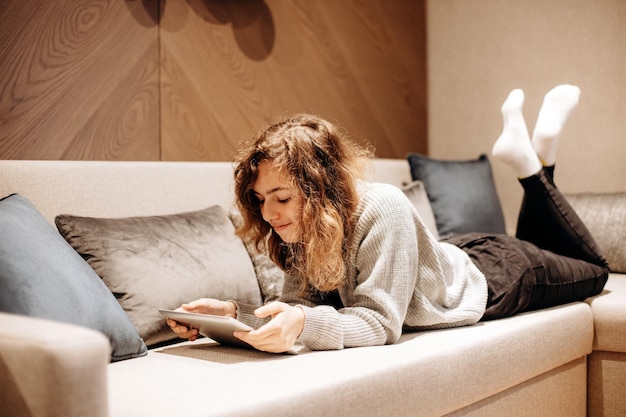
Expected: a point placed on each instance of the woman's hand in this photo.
(280, 334)
(201, 306)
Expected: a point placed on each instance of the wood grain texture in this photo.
(188, 80)
(229, 68)
(79, 80)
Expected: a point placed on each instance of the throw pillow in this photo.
(605, 217)
(164, 261)
(42, 276)
(416, 193)
(270, 277)
(462, 194)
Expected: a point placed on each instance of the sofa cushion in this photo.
(53, 369)
(462, 194)
(42, 276)
(609, 315)
(416, 193)
(163, 261)
(429, 373)
(270, 277)
(605, 217)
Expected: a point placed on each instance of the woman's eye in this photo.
(284, 201)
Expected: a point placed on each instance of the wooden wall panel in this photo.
(230, 67)
(187, 80)
(79, 80)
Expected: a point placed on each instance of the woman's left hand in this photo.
(280, 334)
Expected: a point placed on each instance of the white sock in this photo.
(514, 146)
(556, 107)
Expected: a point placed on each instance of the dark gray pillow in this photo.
(157, 262)
(462, 194)
(42, 276)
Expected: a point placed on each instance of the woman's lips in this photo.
(281, 227)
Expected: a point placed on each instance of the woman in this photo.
(361, 266)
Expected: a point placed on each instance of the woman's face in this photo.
(280, 203)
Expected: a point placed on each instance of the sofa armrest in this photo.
(52, 369)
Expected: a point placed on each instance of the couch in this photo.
(564, 361)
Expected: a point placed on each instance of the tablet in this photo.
(218, 328)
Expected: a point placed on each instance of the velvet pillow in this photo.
(42, 276)
(462, 194)
(605, 217)
(270, 277)
(416, 193)
(164, 261)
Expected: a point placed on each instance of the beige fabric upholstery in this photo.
(609, 315)
(391, 171)
(560, 392)
(118, 189)
(51, 369)
(512, 367)
(607, 363)
(123, 189)
(426, 374)
(606, 382)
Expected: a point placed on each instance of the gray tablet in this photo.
(218, 328)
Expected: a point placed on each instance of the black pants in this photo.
(552, 260)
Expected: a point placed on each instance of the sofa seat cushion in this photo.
(425, 374)
(609, 315)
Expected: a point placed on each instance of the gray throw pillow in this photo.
(604, 214)
(462, 194)
(270, 277)
(164, 261)
(416, 193)
(42, 276)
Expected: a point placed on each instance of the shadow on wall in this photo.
(251, 20)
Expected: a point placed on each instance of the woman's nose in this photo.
(268, 212)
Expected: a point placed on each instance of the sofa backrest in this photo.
(138, 188)
(117, 189)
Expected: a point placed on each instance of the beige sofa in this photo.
(564, 361)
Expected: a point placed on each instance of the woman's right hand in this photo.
(201, 306)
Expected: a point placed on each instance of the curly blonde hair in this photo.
(323, 165)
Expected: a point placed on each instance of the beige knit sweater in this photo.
(398, 277)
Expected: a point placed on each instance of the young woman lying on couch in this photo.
(360, 264)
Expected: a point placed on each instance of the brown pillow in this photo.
(605, 217)
(163, 261)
